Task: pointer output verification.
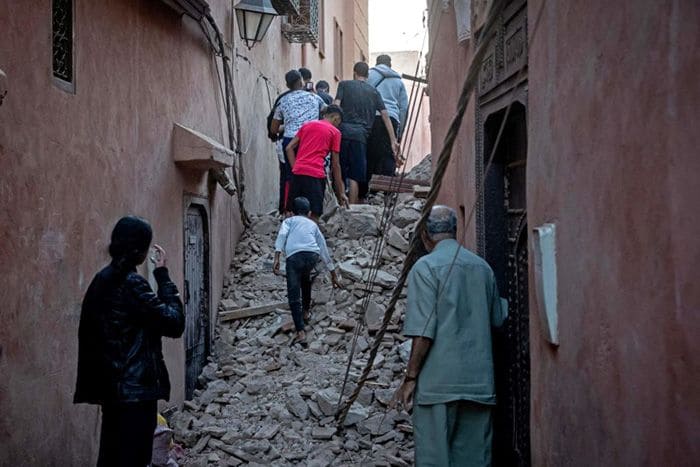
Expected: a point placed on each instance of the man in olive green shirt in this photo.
(453, 303)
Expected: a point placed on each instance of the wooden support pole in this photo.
(230, 315)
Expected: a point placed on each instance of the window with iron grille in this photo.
(338, 52)
(62, 35)
(286, 7)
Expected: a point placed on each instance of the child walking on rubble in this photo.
(303, 243)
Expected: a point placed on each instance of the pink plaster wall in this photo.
(613, 141)
(449, 61)
(612, 160)
(72, 164)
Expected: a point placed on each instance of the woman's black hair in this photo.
(131, 238)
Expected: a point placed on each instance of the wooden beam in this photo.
(392, 185)
(230, 315)
(414, 78)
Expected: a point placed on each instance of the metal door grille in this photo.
(196, 298)
(515, 393)
(503, 241)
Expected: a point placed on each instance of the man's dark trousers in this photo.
(299, 268)
(380, 154)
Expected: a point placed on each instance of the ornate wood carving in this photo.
(508, 50)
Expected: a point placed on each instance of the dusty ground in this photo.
(267, 402)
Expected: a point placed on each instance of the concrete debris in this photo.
(323, 433)
(422, 171)
(405, 351)
(264, 400)
(406, 217)
(386, 280)
(350, 271)
(359, 221)
(374, 316)
(396, 239)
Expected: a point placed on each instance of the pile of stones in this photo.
(267, 401)
(423, 170)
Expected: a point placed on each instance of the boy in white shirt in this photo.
(302, 242)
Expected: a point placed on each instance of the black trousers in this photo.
(300, 267)
(126, 439)
(380, 156)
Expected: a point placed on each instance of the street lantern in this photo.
(254, 18)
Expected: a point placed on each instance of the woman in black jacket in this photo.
(120, 361)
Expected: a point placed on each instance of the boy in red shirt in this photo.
(315, 140)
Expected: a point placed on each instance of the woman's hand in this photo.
(160, 257)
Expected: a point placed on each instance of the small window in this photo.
(62, 53)
(321, 29)
(338, 52)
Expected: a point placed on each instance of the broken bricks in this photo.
(264, 402)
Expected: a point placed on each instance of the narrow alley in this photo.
(508, 192)
(266, 401)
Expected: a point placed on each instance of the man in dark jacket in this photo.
(120, 359)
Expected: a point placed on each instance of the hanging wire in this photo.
(385, 222)
(441, 167)
(231, 105)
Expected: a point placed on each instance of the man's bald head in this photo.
(442, 223)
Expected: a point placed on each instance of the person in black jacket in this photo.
(120, 360)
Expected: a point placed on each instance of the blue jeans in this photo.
(299, 268)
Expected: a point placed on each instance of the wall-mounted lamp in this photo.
(254, 18)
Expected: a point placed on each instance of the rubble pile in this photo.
(266, 401)
(423, 170)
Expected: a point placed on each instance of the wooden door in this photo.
(196, 297)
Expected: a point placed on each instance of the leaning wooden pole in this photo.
(440, 169)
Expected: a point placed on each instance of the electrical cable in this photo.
(441, 167)
(231, 104)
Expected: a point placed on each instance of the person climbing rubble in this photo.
(359, 101)
(302, 242)
(307, 152)
(291, 110)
